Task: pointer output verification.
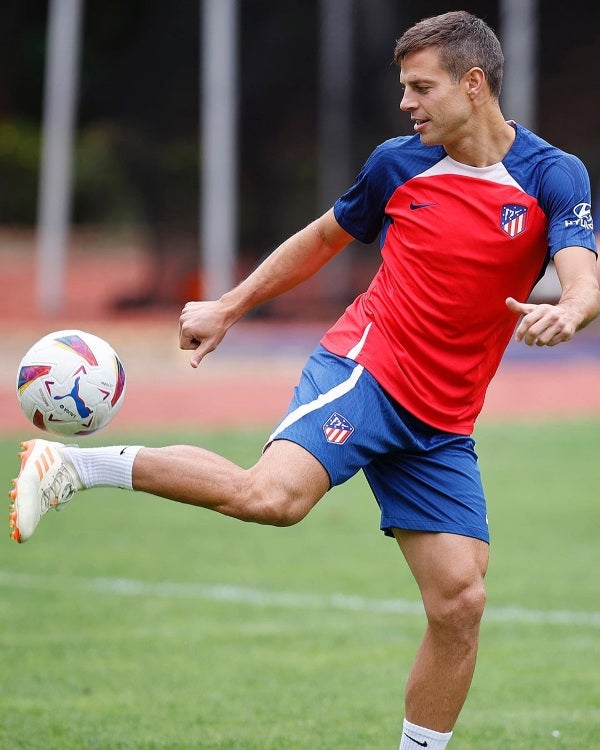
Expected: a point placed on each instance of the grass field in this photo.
(130, 622)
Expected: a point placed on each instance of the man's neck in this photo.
(485, 145)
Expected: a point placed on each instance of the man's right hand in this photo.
(202, 326)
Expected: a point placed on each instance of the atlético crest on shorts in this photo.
(337, 429)
(513, 219)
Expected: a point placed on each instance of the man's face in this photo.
(439, 107)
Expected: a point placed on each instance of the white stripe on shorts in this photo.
(324, 398)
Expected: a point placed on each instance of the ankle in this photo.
(414, 736)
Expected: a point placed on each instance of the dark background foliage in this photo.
(137, 145)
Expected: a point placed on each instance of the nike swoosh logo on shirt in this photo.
(414, 206)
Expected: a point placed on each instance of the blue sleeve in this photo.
(566, 201)
(361, 210)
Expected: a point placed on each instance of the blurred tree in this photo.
(137, 153)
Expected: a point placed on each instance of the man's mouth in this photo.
(419, 124)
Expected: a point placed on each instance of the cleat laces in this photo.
(59, 491)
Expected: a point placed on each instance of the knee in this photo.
(457, 608)
(277, 507)
(283, 486)
(281, 489)
(281, 511)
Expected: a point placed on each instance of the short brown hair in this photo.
(463, 40)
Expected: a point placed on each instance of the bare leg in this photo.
(280, 489)
(449, 570)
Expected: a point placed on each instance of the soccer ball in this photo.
(70, 383)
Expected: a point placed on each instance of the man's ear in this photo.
(474, 80)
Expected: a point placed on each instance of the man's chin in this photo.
(429, 140)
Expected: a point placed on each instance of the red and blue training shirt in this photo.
(455, 241)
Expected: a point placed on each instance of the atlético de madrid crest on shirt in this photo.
(513, 219)
(337, 429)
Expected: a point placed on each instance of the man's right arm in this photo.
(204, 324)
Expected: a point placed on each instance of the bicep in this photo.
(332, 236)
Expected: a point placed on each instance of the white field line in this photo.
(283, 599)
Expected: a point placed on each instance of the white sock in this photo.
(414, 737)
(103, 467)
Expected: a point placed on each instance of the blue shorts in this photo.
(423, 479)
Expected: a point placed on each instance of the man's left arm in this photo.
(579, 303)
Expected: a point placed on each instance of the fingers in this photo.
(202, 349)
(200, 330)
(524, 309)
(521, 308)
(541, 325)
(188, 338)
(532, 328)
(191, 325)
(196, 358)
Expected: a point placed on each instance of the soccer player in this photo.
(468, 212)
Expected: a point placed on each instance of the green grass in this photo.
(115, 634)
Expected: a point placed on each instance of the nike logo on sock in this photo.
(418, 742)
(123, 450)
